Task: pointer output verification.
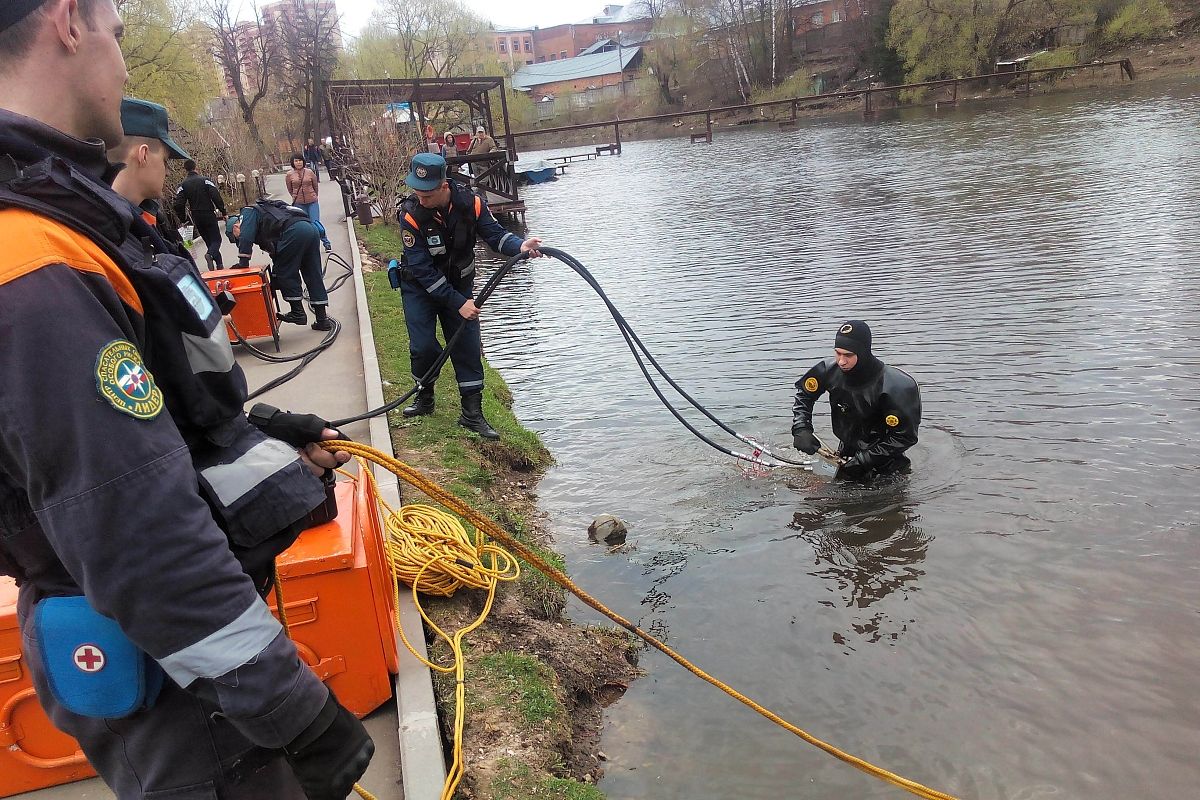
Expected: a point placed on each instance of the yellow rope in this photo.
(430, 551)
(485, 525)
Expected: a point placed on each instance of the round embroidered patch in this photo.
(891, 420)
(811, 385)
(421, 172)
(89, 658)
(847, 328)
(125, 382)
(409, 240)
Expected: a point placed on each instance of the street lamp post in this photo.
(241, 179)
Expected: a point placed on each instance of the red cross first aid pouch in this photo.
(93, 668)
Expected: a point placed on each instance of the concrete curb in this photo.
(421, 759)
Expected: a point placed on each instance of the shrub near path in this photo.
(536, 682)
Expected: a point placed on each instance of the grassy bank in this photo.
(534, 681)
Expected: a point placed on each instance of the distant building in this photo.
(815, 15)
(568, 41)
(587, 79)
(520, 47)
(510, 46)
(292, 13)
(245, 35)
(278, 19)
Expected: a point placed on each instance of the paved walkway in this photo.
(335, 385)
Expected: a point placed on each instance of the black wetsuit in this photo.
(875, 409)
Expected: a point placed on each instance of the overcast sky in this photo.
(513, 13)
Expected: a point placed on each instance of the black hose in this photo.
(635, 345)
(308, 356)
(432, 372)
(305, 359)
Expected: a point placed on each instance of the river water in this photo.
(1021, 618)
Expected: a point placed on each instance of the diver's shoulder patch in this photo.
(811, 384)
(123, 380)
(891, 420)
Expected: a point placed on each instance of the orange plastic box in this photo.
(254, 314)
(339, 600)
(33, 753)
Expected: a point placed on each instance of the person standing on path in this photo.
(312, 156)
(203, 198)
(302, 186)
(140, 509)
(439, 223)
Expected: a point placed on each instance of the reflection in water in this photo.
(867, 545)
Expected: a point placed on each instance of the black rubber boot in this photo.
(422, 406)
(296, 316)
(323, 323)
(472, 416)
(209, 262)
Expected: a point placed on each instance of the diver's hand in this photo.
(806, 441)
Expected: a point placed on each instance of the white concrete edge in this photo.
(422, 762)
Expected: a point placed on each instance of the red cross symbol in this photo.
(89, 658)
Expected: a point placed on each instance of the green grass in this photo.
(795, 85)
(1060, 57)
(518, 782)
(521, 682)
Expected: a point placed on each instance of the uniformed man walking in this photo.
(140, 511)
(202, 196)
(876, 409)
(439, 222)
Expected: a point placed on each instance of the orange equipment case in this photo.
(340, 601)
(254, 314)
(33, 753)
(340, 605)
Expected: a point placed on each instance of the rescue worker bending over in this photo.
(876, 409)
(439, 222)
(140, 511)
(294, 244)
(204, 199)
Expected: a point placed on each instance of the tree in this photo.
(307, 60)
(249, 56)
(166, 58)
(950, 38)
(433, 36)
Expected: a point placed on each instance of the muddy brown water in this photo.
(1021, 618)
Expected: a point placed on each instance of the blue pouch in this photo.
(93, 668)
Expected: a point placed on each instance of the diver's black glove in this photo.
(297, 430)
(806, 441)
(331, 754)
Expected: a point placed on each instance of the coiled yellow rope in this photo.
(485, 525)
(430, 551)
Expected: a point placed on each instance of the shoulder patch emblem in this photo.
(811, 385)
(409, 239)
(891, 420)
(123, 380)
